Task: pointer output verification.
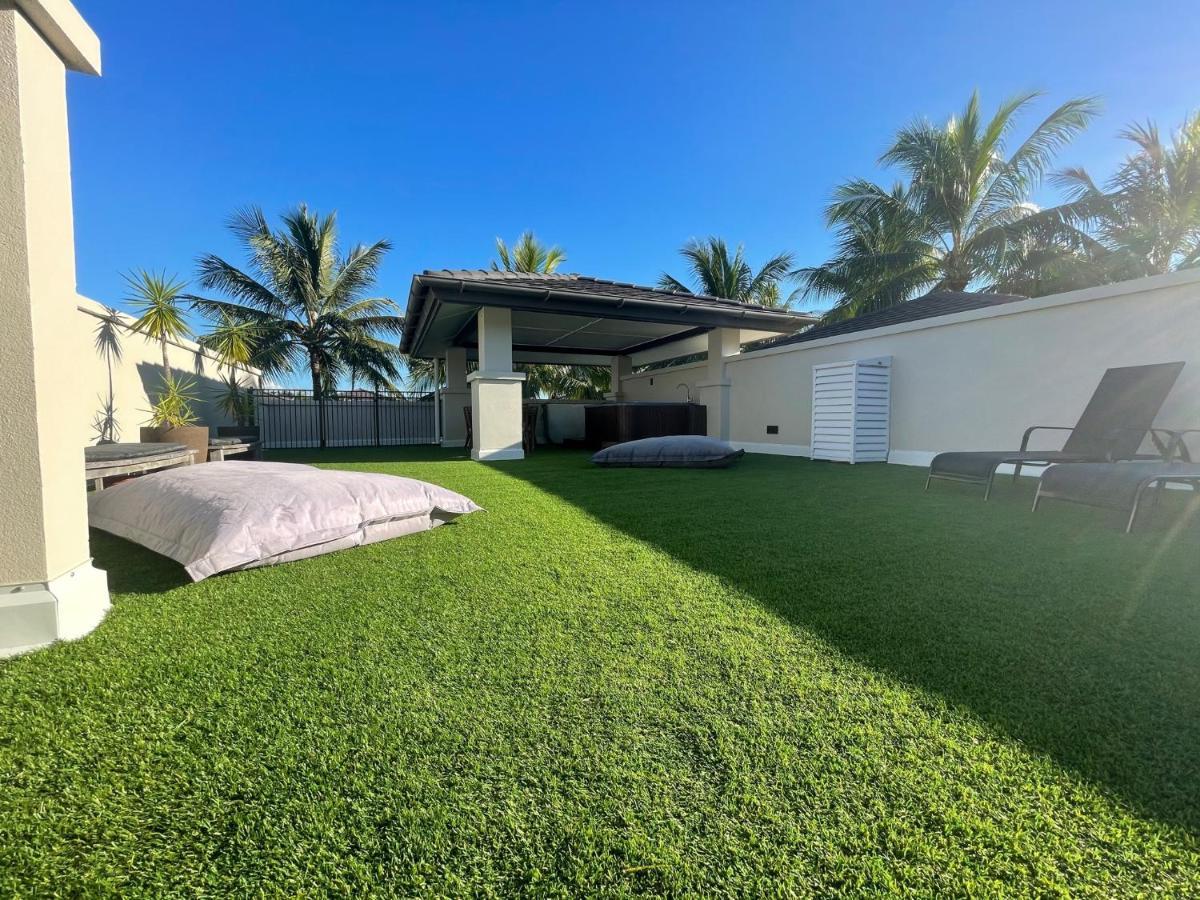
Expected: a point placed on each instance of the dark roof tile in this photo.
(586, 284)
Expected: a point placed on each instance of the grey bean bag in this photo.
(683, 451)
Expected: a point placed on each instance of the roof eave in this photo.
(737, 315)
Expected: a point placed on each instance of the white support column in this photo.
(496, 390)
(715, 388)
(437, 400)
(455, 398)
(622, 368)
(49, 589)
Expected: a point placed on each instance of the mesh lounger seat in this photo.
(1120, 485)
(1113, 425)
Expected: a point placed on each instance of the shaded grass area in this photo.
(785, 678)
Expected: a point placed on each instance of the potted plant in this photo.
(237, 402)
(172, 420)
(157, 298)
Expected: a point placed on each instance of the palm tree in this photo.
(964, 216)
(1147, 222)
(881, 258)
(715, 273)
(528, 254)
(156, 297)
(300, 300)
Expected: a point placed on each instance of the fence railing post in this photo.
(376, 417)
(321, 418)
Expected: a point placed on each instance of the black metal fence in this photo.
(356, 418)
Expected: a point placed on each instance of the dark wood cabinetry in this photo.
(615, 423)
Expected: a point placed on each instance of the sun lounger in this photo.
(1112, 427)
(1119, 485)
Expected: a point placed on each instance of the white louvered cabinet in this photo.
(851, 403)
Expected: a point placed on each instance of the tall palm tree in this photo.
(1147, 218)
(157, 300)
(881, 258)
(300, 300)
(963, 217)
(528, 254)
(716, 273)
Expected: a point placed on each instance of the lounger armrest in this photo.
(1032, 428)
(1178, 448)
(1164, 442)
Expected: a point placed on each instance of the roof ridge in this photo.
(576, 277)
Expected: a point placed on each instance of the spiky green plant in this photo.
(156, 298)
(173, 403)
(715, 271)
(236, 400)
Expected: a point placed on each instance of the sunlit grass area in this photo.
(784, 678)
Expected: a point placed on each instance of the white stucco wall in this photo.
(137, 375)
(44, 516)
(663, 384)
(974, 380)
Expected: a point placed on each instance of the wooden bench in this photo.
(109, 460)
(219, 449)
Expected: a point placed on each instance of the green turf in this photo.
(787, 678)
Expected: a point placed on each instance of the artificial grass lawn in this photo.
(785, 678)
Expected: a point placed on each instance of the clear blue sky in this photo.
(615, 130)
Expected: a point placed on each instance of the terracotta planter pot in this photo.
(150, 434)
(194, 437)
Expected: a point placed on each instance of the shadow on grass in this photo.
(1054, 627)
(133, 569)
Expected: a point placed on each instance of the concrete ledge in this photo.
(38, 613)
(911, 457)
(63, 28)
(495, 377)
(773, 449)
(497, 455)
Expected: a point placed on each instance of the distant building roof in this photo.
(938, 303)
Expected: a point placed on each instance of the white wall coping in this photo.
(1017, 307)
(63, 28)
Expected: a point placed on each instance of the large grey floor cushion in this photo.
(686, 451)
(237, 515)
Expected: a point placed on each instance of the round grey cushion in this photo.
(685, 451)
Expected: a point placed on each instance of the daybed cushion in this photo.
(687, 451)
(237, 515)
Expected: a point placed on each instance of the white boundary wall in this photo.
(137, 375)
(972, 380)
